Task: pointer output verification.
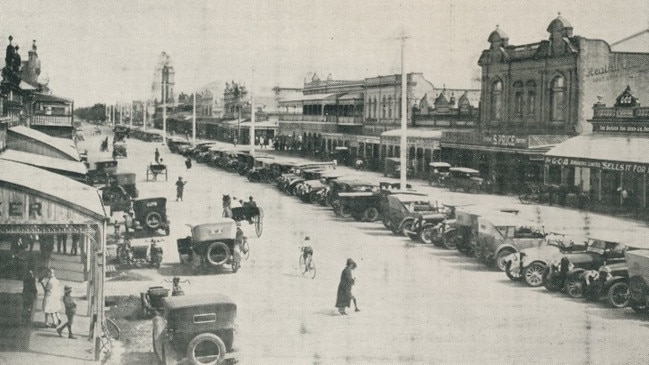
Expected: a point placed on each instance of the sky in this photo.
(106, 51)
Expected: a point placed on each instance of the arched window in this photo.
(496, 100)
(518, 98)
(383, 107)
(530, 86)
(557, 99)
(390, 106)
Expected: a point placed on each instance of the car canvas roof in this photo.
(465, 169)
(501, 219)
(187, 301)
(632, 238)
(439, 164)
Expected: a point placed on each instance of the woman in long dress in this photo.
(345, 295)
(51, 298)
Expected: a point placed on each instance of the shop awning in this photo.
(52, 187)
(66, 167)
(414, 133)
(267, 124)
(618, 152)
(59, 146)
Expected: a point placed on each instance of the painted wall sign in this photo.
(620, 128)
(603, 165)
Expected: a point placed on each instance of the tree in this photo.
(95, 113)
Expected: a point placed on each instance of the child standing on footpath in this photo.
(70, 311)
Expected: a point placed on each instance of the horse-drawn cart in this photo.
(153, 170)
(254, 215)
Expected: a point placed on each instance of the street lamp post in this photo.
(194, 122)
(252, 116)
(164, 104)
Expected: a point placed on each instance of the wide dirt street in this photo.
(419, 303)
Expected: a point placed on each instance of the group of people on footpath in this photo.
(52, 299)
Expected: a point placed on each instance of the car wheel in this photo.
(405, 227)
(217, 253)
(426, 235)
(153, 220)
(206, 348)
(501, 258)
(371, 214)
(450, 240)
(574, 288)
(344, 211)
(619, 295)
(533, 274)
(514, 274)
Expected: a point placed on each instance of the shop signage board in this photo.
(621, 128)
(18, 207)
(640, 168)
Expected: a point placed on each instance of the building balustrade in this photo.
(620, 112)
(301, 118)
(52, 120)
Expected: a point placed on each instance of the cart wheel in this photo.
(259, 225)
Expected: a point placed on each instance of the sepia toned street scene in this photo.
(427, 182)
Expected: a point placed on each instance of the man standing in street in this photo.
(29, 296)
(157, 156)
(345, 288)
(76, 237)
(180, 187)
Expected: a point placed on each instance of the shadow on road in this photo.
(138, 358)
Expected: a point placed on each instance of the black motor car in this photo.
(151, 215)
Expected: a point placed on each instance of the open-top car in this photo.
(464, 178)
(211, 244)
(120, 149)
(116, 198)
(199, 328)
(500, 235)
(529, 264)
(101, 172)
(308, 190)
(566, 272)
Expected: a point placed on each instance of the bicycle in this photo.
(109, 332)
(307, 266)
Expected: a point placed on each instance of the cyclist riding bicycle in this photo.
(307, 254)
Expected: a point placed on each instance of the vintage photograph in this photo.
(324, 182)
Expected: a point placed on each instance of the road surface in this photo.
(419, 303)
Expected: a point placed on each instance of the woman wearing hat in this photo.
(345, 288)
(51, 298)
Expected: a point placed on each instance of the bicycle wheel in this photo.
(312, 270)
(302, 265)
(111, 330)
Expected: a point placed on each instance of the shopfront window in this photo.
(496, 100)
(557, 99)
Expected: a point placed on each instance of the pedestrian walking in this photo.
(76, 237)
(61, 240)
(128, 224)
(51, 299)
(29, 295)
(157, 156)
(70, 311)
(46, 245)
(345, 296)
(180, 187)
(188, 163)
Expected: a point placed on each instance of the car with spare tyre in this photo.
(211, 245)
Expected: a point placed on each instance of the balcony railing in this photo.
(301, 118)
(52, 120)
(612, 112)
(350, 120)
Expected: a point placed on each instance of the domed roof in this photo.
(497, 35)
(559, 23)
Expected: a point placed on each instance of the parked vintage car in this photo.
(127, 180)
(151, 215)
(211, 244)
(101, 172)
(500, 235)
(361, 205)
(565, 273)
(404, 209)
(199, 328)
(308, 190)
(116, 198)
(464, 231)
(262, 170)
(177, 145)
(609, 281)
(121, 132)
(393, 168)
(529, 264)
(638, 271)
(464, 178)
(438, 173)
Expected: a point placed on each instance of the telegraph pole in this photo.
(164, 110)
(404, 116)
(252, 116)
(194, 122)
